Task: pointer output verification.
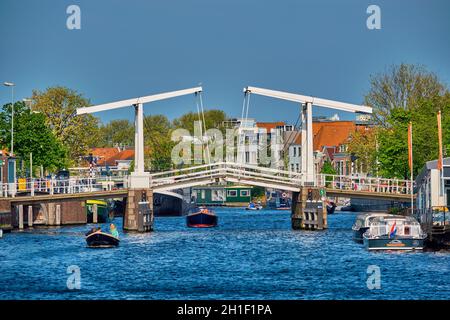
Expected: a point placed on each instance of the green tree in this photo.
(213, 119)
(363, 145)
(328, 168)
(32, 135)
(393, 141)
(157, 141)
(76, 132)
(401, 86)
(116, 133)
(402, 94)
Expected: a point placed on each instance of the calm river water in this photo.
(250, 255)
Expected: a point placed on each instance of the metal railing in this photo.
(34, 187)
(209, 173)
(367, 184)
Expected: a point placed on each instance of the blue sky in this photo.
(134, 48)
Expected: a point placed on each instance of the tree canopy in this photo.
(402, 94)
(402, 86)
(32, 135)
(116, 133)
(76, 132)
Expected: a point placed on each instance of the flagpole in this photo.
(440, 160)
(411, 166)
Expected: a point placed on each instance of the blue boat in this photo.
(202, 218)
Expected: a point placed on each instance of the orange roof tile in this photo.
(127, 154)
(332, 133)
(269, 125)
(104, 153)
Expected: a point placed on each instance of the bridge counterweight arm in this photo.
(136, 101)
(305, 99)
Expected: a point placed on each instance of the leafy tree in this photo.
(363, 144)
(328, 168)
(393, 142)
(32, 135)
(402, 94)
(157, 142)
(401, 86)
(58, 105)
(116, 133)
(213, 119)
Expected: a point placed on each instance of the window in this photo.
(407, 231)
(295, 151)
(231, 193)
(203, 194)
(247, 157)
(245, 193)
(297, 166)
(292, 167)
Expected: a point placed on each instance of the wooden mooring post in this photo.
(30, 216)
(21, 216)
(94, 213)
(309, 211)
(139, 210)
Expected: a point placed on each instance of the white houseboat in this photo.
(394, 233)
(433, 201)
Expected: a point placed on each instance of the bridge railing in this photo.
(57, 186)
(226, 170)
(367, 184)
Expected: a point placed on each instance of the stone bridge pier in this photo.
(309, 211)
(139, 210)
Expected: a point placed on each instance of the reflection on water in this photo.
(250, 255)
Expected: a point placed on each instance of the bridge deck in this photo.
(335, 185)
(67, 197)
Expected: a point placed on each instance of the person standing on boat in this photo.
(113, 230)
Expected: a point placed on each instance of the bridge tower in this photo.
(139, 208)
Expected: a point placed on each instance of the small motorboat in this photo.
(394, 233)
(283, 206)
(99, 239)
(362, 224)
(253, 206)
(203, 218)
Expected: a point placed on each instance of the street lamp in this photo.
(12, 85)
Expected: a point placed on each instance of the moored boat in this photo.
(283, 206)
(203, 218)
(253, 206)
(99, 239)
(362, 223)
(394, 233)
(331, 207)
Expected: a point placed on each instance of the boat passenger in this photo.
(93, 230)
(113, 230)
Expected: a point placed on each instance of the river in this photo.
(250, 255)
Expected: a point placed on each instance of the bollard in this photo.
(94, 213)
(30, 216)
(20, 216)
(58, 214)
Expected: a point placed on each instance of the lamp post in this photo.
(12, 85)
